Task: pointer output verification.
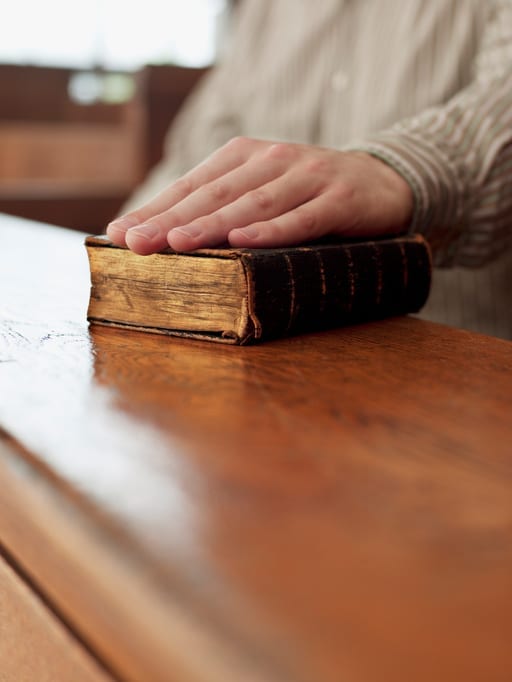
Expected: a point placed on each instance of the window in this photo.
(111, 34)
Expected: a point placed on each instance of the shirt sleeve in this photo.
(457, 157)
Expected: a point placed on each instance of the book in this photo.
(242, 296)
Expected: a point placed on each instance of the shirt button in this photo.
(339, 81)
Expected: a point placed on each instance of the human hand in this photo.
(253, 193)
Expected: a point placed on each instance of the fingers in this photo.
(152, 236)
(261, 203)
(253, 193)
(307, 222)
(286, 223)
(215, 208)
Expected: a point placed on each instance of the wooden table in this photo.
(330, 507)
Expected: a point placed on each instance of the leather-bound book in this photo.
(242, 296)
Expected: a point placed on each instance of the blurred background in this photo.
(87, 92)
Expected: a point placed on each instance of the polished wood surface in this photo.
(33, 643)
(327, 507)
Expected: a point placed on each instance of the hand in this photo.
(253, 193)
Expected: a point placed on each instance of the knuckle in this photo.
(240, 148)
(343, 191)
(308, 222)
(240, 143)
(262, 199)
(218, 191)
(316, 166)
(280, 151)
(184, 186)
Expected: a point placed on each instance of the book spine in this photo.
(326, 286)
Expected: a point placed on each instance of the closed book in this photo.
(241, 296)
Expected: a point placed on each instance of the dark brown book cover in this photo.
(271, 292)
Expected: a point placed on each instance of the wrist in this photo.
(396, 196)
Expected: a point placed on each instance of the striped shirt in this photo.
(425, 86)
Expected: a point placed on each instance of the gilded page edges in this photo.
(228, 339)
(276, 295)
(241, 331)
(90, 243)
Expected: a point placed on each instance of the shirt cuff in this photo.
(438, 185)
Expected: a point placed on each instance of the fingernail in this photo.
(123, 224)
(146, 231)
(251, 232)
(189, 230)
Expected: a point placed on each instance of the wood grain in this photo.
(331, 506)
(108, 594)
(33, 643)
